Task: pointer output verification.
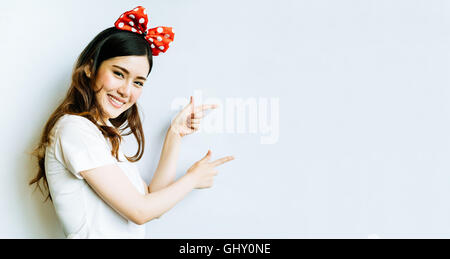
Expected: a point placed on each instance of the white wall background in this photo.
(364, 104)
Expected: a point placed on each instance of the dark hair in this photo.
(80, 99)
(113, 42)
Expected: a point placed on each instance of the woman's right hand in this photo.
(204, 171)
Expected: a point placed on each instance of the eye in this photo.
(140, 84)
(118, 73)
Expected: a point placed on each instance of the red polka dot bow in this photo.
(136, 21)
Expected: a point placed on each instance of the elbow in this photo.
(143, 214)
(139, 222)
(141, 219)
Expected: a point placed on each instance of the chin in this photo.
(113, 112)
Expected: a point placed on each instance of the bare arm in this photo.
(114, 187)
(186, 122)
(166, 171)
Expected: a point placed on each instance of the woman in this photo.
(96, 190)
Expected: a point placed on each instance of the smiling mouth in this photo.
(116, 103)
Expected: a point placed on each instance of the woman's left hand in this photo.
(188, 120)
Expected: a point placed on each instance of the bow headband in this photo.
(136, 21)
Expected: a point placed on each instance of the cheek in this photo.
(108, 82)
(135, 94)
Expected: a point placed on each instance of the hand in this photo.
(188, 120)
(204, 171)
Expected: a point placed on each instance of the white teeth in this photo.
(116, 101)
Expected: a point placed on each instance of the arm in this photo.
(166, 170)
(186, 122)
(113, 186)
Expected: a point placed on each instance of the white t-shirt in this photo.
(76, 144)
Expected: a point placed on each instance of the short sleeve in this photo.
(81, 146)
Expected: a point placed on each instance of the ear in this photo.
(87, 69)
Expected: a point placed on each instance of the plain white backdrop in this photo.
(364, 103)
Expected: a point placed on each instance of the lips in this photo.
(117, 98)
(114, 102)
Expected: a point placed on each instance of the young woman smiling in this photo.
(96, 190)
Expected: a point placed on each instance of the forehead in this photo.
(136, 65)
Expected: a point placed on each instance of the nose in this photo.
(124, 90)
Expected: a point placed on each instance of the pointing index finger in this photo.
(208, 106)
(205, 107)
(222, 160)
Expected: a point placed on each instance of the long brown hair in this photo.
(80, 98)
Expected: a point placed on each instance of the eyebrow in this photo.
(126, 71)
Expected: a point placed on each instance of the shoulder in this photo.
(69, 120)
(75, 124)
(74, 119)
